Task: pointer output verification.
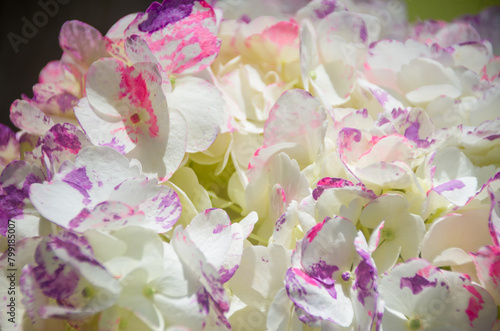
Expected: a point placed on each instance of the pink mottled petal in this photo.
(102, 132)
(183, 39)
(487, 262)
(494, 219)
(296, 117)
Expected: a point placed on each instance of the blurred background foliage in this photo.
(445, 9)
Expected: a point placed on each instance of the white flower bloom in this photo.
(420, 296)
(103, 189)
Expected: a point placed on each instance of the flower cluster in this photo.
(271, 165)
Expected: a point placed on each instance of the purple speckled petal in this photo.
(15, 182)
(211, 232)
(64, 266)
(415, 284)
(29, 118)
(325, 302)
(160, 204)
(194, 259)
(9, 145)
(108, 216)
(365, 294)
(62, 142)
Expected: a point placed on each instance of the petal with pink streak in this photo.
(487, 262)
(494, 219)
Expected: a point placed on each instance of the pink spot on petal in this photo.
(314, 231)
(475, 303)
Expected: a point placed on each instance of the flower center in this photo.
(88, 292)
(414, 324)
(135, 118)
(387, 234)
(346, 276)
(148, 291)
(123, 324)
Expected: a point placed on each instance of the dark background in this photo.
(19, 71)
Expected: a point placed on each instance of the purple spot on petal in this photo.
(219, 228)
(380, 95)
(203, 300)
(66, 101)
(331, 290)
(115, 144)
(245, 18)
(225, 274)
(159, 16)
(75, 222)
(328, 7)
(65, 138)
(366, 275)
(416, 284)
(79, 180)
(323, 272)
(280, 222)
(493, 137)
(362, 33)
(6, 136)
(412, 131)
(454, 184)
